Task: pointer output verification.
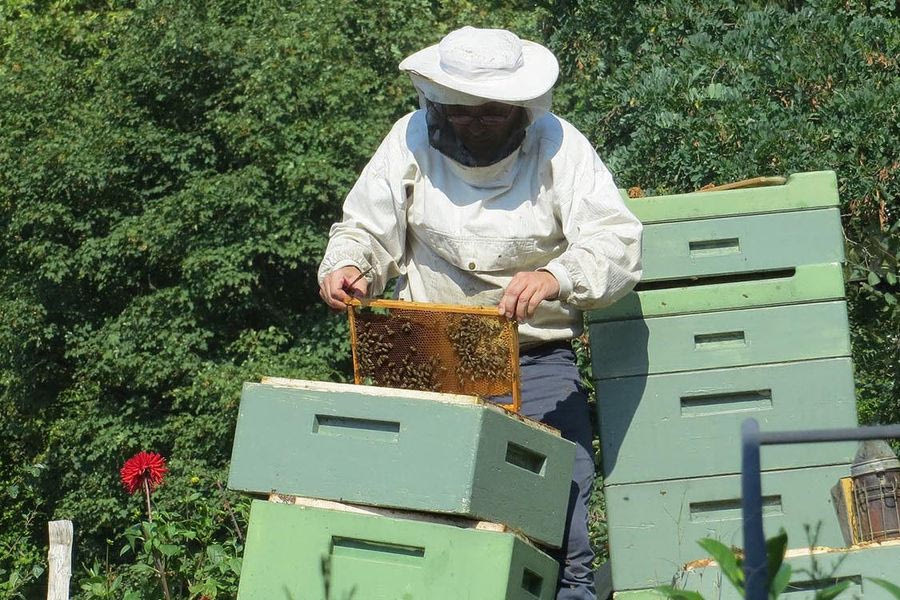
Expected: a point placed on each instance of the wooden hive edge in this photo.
(370, 390)
(527, 420)
(382, 392)
(800, 552)
(409, 515)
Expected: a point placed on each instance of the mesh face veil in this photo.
(443, 136)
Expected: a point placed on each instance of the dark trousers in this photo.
(552, 393)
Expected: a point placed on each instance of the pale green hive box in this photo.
(805, 283)
(654, 527)
(747, 244)
(397, 448)
(679, 425)
(810, 573)
(737, 248)
(298, 552)
(729, 338)
(802, 191)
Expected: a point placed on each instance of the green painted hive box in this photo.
(654, 527)
(812, 572)
(402, 449)
(806, 283)
(802, 191)
(713, 340)
(680, 425)
(763, 246)
(758, 244)
(746, 231)
(304, 553)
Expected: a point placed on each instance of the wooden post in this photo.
(60, 558)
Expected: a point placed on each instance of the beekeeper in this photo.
(484, 197)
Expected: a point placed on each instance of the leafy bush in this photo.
(198, 545)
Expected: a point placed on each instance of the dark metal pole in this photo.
(872, 432)
(755, 567)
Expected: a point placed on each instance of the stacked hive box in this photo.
(740, 314)
(454, 459)
(857, 566)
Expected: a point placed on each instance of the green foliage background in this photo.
(170, 170)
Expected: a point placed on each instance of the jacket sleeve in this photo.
(372, 231)
(602, 262)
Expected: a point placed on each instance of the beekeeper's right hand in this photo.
(337, 287)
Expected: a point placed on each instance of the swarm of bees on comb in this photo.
(388, 356)
(474, 342)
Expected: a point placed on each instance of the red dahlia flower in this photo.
(148, 466)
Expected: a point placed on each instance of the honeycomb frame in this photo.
(447, 348)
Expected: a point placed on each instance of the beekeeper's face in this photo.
(483, 129)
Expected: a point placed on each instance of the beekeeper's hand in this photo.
(525, 292)
(338, 287)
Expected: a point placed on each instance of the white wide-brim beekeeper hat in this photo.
(487, 64)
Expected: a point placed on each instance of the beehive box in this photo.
(317, 554)
(805, 283)
(678, 425)
(801, 192)
(729, 338)
(654, 527)
(403, 449)
(811, 572)
(742, 244)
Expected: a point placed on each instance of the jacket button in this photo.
(471, 266)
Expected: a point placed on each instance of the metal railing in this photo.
(756, 575)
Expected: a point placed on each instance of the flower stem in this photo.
(156, 558)
(237, 528)
(147, 497)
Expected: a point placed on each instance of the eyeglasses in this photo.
(487, 120)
